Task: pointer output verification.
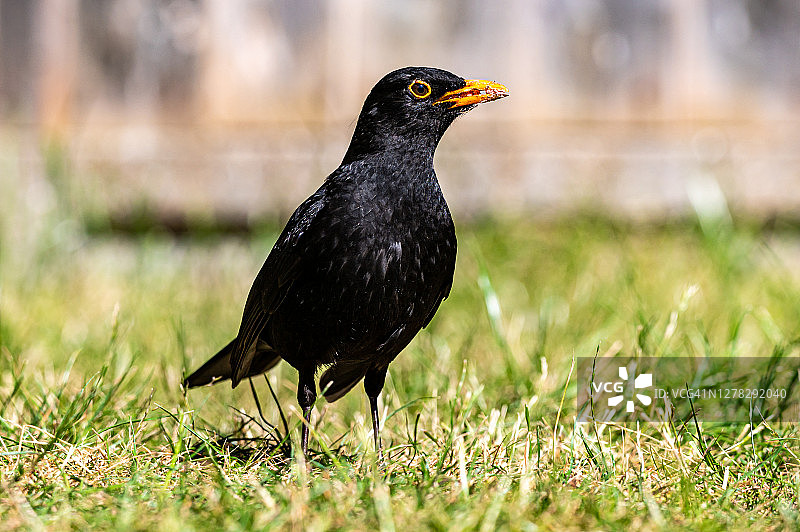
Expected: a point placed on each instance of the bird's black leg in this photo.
(373, 384)
(306, 395)
(373, 407)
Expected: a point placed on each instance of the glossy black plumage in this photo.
(364, 263)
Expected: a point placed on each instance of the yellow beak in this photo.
(474, 92)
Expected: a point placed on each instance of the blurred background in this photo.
(124, 113)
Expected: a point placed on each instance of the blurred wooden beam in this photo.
(56, 40)
(344, 52)
(691, 89)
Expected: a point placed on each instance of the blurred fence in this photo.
(244, 105)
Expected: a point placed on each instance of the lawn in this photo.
(97, 330)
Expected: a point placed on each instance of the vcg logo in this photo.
(644, 380)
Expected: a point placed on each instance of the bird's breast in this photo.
(370, 278)
(380, 269)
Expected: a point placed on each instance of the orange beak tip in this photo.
(475, 91)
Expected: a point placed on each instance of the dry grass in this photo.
(478, 412)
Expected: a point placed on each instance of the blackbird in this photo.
(363, 264)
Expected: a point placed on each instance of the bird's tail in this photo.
(218, 368)
(340, 379)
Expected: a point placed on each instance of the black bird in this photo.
(363, 264)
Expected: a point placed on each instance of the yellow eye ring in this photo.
(419, 89)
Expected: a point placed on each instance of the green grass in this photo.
(96, 334)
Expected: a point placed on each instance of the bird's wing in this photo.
(273, 282)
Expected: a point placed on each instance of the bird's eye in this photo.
(419, 89)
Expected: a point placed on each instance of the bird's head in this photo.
(412, 107)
